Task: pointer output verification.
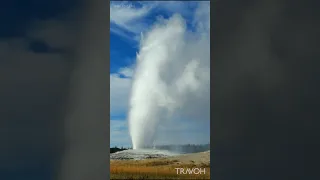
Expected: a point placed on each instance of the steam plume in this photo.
(171, 77)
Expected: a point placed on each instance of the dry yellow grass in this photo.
(154, 169)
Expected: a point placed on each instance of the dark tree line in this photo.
(116, 149)
(187, 148)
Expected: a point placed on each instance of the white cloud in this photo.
(119, 135)
(183, 132)
(129, 17)
(183, 8)
(127, 20)
(202, 17)
(119, 92)
(128, 72)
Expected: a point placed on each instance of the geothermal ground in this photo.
(157, 164)
(141, 154)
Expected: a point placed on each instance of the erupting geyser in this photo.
(172, 68)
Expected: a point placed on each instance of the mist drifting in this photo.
(172, 76)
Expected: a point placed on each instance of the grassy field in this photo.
(155, 169)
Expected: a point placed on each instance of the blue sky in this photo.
(127, 21)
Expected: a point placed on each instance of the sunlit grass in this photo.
(154, 169)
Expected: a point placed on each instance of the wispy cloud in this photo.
(119, 91)
(118, 31)
(184, 8)
(128, 18)
(128, 72)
